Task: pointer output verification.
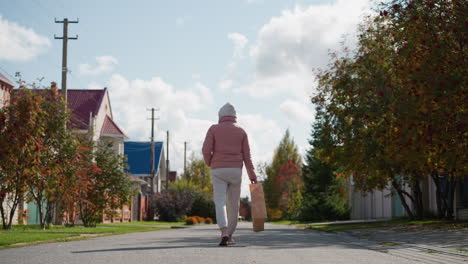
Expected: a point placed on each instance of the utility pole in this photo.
(65, 39)
(153, 165)
(185, 158)
(167, 161)
(153, 171)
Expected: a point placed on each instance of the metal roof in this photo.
(110, 127)
(4, 79)
(139, 156)
(83, 102)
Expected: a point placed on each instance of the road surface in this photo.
(279, 244)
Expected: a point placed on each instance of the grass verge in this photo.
(23, 235)
(285, 222)
(154, 223)
(400, 224)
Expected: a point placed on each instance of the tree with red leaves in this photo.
(283, 174)
(396, 109)
(289, 182)
(20, 144)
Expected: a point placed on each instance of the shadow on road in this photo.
(457, 239)
(277, 238)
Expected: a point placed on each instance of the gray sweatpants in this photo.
(226, 193)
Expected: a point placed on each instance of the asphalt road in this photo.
(278, 244)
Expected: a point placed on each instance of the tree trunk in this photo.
(12, 215)
(451, 209)
(2, 213)
(418, 203)
(7, 216)
(399, 190)
(38, 199)
(435, 178)
(13, 209)
(41, 213)
(444, 197)
(48, 213)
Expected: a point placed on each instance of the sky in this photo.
(187, 59)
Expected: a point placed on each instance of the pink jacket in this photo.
(226, 145)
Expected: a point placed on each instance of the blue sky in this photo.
(188, 58)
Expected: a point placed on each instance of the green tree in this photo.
(281, 174)
(395, 109)
(324, 194)
(199, 174)
(108, 186)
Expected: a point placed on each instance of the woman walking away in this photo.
(225, 149)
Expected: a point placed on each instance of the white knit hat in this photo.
(227, 110)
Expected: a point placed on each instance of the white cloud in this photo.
(291, 45)
(240, 41)
(18, 43)
(257, 127)
(297, 111)
(264, 134)
(204, 92)
(299, 84)
(94, 86)
(105, 64)
(225, 85)
(131, 98)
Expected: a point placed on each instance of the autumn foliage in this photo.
(395, 111)
(283, 181)
(41, 160)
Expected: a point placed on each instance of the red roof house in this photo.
(91, 110)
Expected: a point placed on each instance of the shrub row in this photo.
(193, 220)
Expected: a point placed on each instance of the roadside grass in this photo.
(29, 234)
(153, 223)
(284, 222)
(389, 244)
(400, 224)
(460, 250)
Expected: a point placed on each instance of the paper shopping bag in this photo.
(259, 214)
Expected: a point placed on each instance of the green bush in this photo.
(203, 205)
(174, 204)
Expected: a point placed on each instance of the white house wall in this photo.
(7, 205)
(2, 97)
(117, 143)
(101, 116)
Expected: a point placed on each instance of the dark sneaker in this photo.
(223, 242)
